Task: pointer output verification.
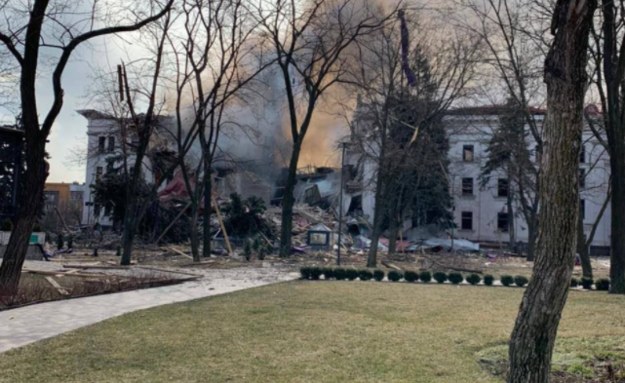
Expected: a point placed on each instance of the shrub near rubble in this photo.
(378, 275)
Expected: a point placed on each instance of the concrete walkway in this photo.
(21, 326)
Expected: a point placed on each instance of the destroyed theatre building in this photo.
(480, 204)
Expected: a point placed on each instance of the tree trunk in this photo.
(29, 200)
(206, 215)
(195, 235)
(288, 201)
(377, 219)
(393, 233)
(534, 334)
(131, 216)
(617, 239)
(532, 228)
(512, 244)
(582, 249)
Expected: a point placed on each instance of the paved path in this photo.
(29, 324)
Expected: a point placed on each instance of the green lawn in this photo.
(306, 332)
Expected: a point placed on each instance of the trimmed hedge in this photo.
(394, 276)
(488, 280)
(378, 275)
(574, 282)
(440, 277)
(411, 276)
(365, 275)
(520, 280)
(328, 272)
(425, 276)
(474, 279)
(304, 272)
(507, 280)
(340, 274)
(455, 278)
(315, 273)
(587, 283)
(602, 284)
(351, 274)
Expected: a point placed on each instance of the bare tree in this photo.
(28, 29)
(513, 31)
(216, 59)
(535, 330)
(309, 42)
(386, 78)
(608, 59)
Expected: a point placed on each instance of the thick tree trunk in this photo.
(288, 201)
(29, 200)
(617, 239)
(132, 214)
(534, 334)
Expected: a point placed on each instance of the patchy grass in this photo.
(309, 332)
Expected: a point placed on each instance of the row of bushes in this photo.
(601, 284)
(315, 273)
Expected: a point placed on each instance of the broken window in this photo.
(502, 187)
(502, 222)
(582, 178)
(111, 144)
(467, 186)
(466, 222)
(101, 144)
(467, 153)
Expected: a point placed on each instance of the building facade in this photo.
(480, 209)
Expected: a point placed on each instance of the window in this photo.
(101, 144)
(502, 187)
(582, 209)
(582, 154)
(467, 186)
(110, 166)
(467, 153)
(111, 144)
(582, 178)
(467, 220)
(502, 222)
(98, 172)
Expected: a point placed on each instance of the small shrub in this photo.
(587, 283)
(328, 272)
(411, 276)
(440, 277)
(378, 275)
(488, 280)
(455, 278)
(474, 279)
(315, 273)
(365, 275)
(602, 284)
(507, 280)
(305, 272)
(351, 274)
(425, 276)
(394, 276)
(574, 282)
(340, 274)
(520, 280)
